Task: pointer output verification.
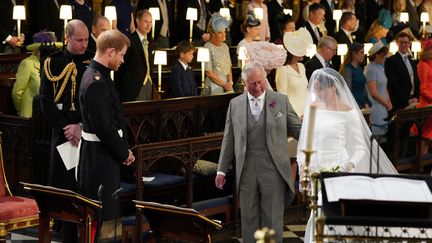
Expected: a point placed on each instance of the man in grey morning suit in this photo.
(262, 165)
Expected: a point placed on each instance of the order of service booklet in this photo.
(380, 189)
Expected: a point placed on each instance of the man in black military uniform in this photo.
(103, 148)
(61, 76)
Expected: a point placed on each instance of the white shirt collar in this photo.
(403, 55)
(348, 33)
(321, 59)
(280, 2)
(261, 97)
(92, 36)
(141, 36)
(185, 66)
(312, 25)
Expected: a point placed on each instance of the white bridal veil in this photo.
(341, 135)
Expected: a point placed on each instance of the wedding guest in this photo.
(377, 87)
(326, 49)
(424, 71)
(250, 28)
(379, 28)
(352, 72)
(125, 17)
(9, 41)
(27, 81)
(314, 21)
(99, 25)
(265, 28)
(182, 79)
(82, 10)
(285, 23)
(275, 9)
(291, 80)
(218, 69)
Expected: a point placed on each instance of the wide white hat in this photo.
(297, 42)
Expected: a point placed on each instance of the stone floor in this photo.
(292, 234)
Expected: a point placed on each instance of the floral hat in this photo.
(43, 37)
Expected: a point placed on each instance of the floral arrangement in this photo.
(272, 104)
(270, 55)
(331, 169)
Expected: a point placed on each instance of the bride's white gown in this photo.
(339, 138)
(338, 135)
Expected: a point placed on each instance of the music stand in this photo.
(170, 222)
(64, 205)
(372, 214)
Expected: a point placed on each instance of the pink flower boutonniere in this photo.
(272, 104)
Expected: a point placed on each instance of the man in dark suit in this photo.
(182, 79)
(133, 79)
(103, 148)
(275, 8)
(8, 38)
(60, 105)
(200, 35)
(258, 123)
(316, 16)
(99, 25)
(326, 49)
(403, 83)
(330, 23)
(164, 26)
(401, 71)
(348, 23)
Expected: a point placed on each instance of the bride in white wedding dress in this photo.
(341, 136)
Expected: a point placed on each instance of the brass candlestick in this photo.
(305, 181)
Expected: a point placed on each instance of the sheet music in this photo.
(381, 189)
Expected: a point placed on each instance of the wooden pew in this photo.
(27, 141)
(416, 162)
(187, 152)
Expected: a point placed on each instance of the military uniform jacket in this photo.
(60, 113)
(102, 115)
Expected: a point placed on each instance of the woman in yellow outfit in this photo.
(27, 81)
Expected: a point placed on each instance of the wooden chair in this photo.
(15, 212)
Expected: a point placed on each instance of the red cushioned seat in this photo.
(15, 212)
(17, 207)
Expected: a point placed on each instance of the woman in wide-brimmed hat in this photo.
(27, 81)
(291, 79)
